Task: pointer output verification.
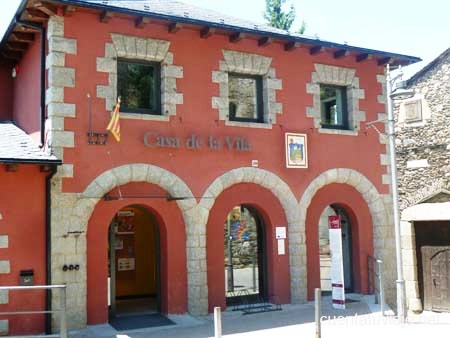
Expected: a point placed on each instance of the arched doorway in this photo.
(134, 263)
(245, 256)
(324, 247)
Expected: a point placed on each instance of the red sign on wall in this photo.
(334, 222)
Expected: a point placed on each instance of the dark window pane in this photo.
(244, 98)
(138, 87)
(333, 107)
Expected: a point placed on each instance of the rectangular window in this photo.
(138, 85)
(245, 98)
(333, 107)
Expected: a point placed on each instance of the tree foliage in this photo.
(278, 18)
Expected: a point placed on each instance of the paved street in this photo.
(360, 319)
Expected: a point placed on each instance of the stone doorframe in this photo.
(417, 213)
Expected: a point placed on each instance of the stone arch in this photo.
(110, 179)
(375, 201)
(423, 194)
(262, 177)
(69, 230)
(269, 181)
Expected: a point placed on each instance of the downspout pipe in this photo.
(48, 254)
(42, 30)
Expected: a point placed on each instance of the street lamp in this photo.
(397, 93)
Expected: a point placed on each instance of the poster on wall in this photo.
(125, 222)
(337, 263)
(296, 151)
(125, 264)
(119, 243)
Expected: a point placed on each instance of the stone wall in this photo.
(423, 161)
(427, 138)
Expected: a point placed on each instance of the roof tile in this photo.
(15, 144)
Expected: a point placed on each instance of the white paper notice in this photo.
(281, 248)
(280, 232)
(125, 264)
(337, 265)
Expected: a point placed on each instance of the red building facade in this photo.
(147, 217)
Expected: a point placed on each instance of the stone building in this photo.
(423, 148)
(235, 138)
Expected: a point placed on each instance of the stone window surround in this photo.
(337, 76)
(146, 49)
(248, 64)
(425, 112)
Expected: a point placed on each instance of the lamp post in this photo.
(401, 94)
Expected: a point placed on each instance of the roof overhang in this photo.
(30, 161)
(28, 11)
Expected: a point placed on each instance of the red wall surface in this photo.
(198, 168)
(26, 103)
(195, 116)
(6, 92)
(22, 206)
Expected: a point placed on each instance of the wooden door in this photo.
(436, 277)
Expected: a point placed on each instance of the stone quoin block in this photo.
(55, 26)
(56, 109)
(54, 95)
(4, 241)
(4, 296)
(61, 77)
(56, 59)
(4, 327)
(63, 45)
(5, 267)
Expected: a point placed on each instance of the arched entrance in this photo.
(134, 264)
(245, 256)
(347, 202)
(324, 247)
(261, 204)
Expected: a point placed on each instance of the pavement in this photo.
(361, 318)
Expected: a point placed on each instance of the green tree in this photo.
(276, 17)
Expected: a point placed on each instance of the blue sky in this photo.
(413, 27)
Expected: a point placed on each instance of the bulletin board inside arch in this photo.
(296, 151)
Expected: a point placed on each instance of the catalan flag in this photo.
(114, 124)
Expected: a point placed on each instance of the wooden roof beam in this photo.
(46, 8)
(11, 167)
(11, 54)
(106, 16)
(384, 61)
(17, 46)
(316, 50)
(22, 37)
(141, 22)
(291, 45)
(69, 10)
(206, 32)
(341, 53)
(36, 15)
(363, 57)
(264, 41)
(236, 37)
(175, 27)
